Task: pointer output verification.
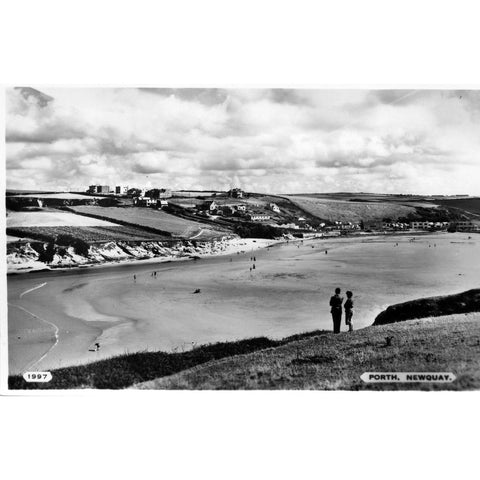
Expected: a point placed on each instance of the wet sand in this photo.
(286, 293)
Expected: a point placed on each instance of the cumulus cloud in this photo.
(268, 140)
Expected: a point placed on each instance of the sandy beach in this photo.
(56, 317)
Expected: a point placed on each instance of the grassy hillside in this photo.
(350, 211)
(125, 370)
(327, 361)
(316, 360)
(469, 205)
(157, 219)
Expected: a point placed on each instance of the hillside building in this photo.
(466, 226)
(142, 201)
(274, 207)
(209, 206)
(421, 225)
(103, 189)
(121, 190)
(258, 217)
(149, 202)
(165, 193)
(292, 226)
(235, 193)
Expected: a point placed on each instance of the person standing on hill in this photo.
(336, 310)
(349, 310)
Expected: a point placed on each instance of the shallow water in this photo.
(287, 293)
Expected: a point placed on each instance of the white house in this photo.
(467, 226)
(210, 206)
(121, 190)
(292, 226)
(421, 225)
(274, 207)
(143, 201)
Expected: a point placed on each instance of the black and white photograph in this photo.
(242, 238)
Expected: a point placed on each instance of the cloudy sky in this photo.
(263, 140)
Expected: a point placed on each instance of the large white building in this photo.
(467, 226)
(99, 189)
(421, 225)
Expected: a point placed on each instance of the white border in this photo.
(371, 44)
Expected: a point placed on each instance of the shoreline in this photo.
(261, 243)
(232, 246)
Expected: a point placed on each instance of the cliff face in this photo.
(464, 302)
(22, 256)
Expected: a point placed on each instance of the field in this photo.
(470, 205)
(349, 211)
(52, 218)
(64, 196)
(193, 193)
(88, 234)
(158, 219)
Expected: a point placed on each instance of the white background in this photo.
(239, 434)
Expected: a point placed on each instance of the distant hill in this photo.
(355, 207)
(351, 211)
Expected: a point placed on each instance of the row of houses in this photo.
(134, 192)
(466, 226)
(235, 209)
(106, 190)
(429, 225)
(149, 202)
(423, 225)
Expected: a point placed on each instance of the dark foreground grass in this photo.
(125, 370)
(336, 362)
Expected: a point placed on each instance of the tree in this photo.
(134, 192)
(47, 254)
(80, 246)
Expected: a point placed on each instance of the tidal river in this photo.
(55, 318)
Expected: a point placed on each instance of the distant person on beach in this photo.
(349, 310)
(134, 278)
(336, 310)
